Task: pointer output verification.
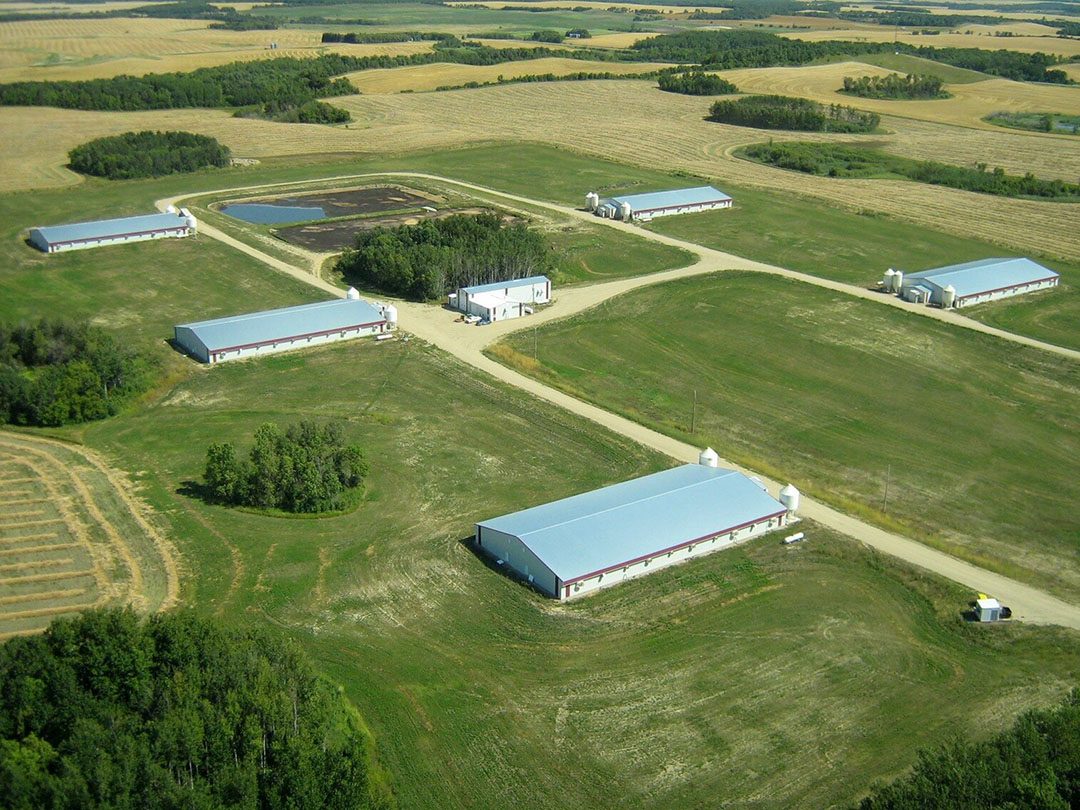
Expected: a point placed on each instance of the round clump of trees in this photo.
(785, 112)
(148, 154)
(696, 83)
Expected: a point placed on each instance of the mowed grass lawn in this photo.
(982, 437)
(769, 676)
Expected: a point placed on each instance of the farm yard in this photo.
(72, 536)
(771, 676)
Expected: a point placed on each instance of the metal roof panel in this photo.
(607, 527)
(985, 275)
(503, 285)
(102, 228)
(671, 199)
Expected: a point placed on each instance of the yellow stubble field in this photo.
(1026, 44)
(49, 50)
(640, 125)
(428, 77)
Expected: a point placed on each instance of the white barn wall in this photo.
(292, 343)
(517, 555)
(1006, 293)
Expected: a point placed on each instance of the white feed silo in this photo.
(171, 209)
(353, 294)
(390, 313)
(708, 458)
(898, 282)
(190, 217)
(625, 212)
(789, 497)
(948, 297)
(592, 201)
(888, 281)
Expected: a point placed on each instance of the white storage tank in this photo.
(948, 297)
(353, 294)
(171, 209)
(898, 281)
(390, 313)
(592, 201)
(625, 211)
(190, 217)
(888, 282)
(789, 497)
(708, 458)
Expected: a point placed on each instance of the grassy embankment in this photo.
(805, 384)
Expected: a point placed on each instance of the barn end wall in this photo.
(513, 552)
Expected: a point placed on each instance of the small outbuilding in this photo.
(987, 610)
(81, 235)
(577, 545)
(961, 285)
(279, 330)
(644, 207)
(502, 300)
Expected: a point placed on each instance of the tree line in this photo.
(784, 112)
(430, 259)
(147, 154)
(530, 78)
(58, 372)
(303, 469)
(895, 86)
(108, 711)
(381, 37)
(1035, 764)
(838, 160)
(696, 83)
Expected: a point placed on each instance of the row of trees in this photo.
(147, 154)
(434, 257)
(56, 372)
(311, 112)
(838, 160)
(783, 112)
(380, 37)
(531, 78)
(303, 469)
(1035, 764)
(895, 86)
(696, 83)
(282, 81)
(1021, 67)
(108, 711)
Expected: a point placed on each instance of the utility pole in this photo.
(693, 414)
(888, 475)
(534, 343)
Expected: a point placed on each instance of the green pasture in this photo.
(978, 438)
(772, 677)
(906, 63)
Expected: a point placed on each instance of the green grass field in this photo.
(775, 677)
(811, 386)
(906, 63)
(761, 677)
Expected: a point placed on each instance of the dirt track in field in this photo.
(438, 326)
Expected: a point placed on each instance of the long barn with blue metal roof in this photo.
(645, 207)
(279, 330)
(961, 285)
(580, 544)
(81, 235)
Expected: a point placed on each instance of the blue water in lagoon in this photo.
(263, 214)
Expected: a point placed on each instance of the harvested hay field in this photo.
(72, 537)
(52, 50)
(969, 104)
(642, 126)
(1055, 45)
(333, 237)
(429, 77)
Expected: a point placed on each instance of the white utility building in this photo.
(644, 207)
(961, 285)
(279, 330)
(502, 299)
(80, 235)
(580, 544)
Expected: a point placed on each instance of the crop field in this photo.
(53, 50)
(1027, 44)
(428, 77)
(640, 124)
(789, 381)
(72, 537)
(481, 693)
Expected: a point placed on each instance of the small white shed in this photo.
(987, 610)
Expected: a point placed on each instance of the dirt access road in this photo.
(437, 325)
